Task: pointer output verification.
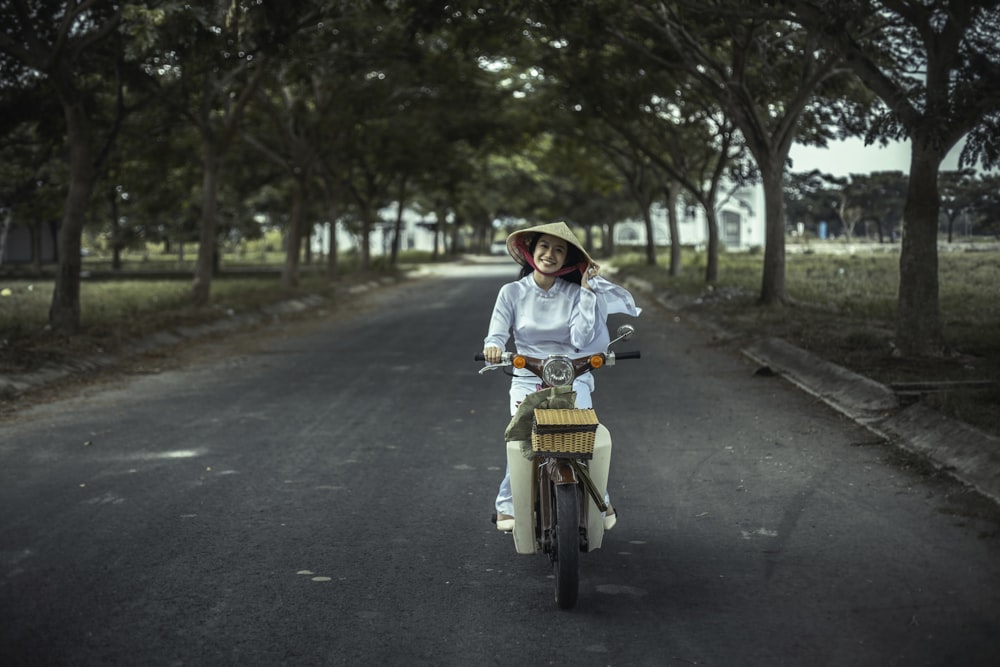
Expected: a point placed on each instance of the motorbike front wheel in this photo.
(566, 554)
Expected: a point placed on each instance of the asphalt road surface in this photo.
(319, 493)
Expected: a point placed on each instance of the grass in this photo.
(125, 304)
(113, 312)
(115, 309)
(842, 308)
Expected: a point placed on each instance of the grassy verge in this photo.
(843, 309)
(144, 297)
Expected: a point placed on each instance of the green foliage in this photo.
(468, 112)
(861, 205)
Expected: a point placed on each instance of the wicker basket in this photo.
(566, 433)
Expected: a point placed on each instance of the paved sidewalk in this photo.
(964, 452)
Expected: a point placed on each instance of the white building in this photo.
(415, 235)
(740, 217)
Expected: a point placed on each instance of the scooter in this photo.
(558, 478)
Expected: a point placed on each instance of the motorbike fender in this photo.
(561, 472)
(599, 467)
(522, 487)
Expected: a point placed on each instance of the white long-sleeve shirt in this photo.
(565, 319)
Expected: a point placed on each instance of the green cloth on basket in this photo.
(552, 398)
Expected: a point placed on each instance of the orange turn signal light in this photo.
(518, 361)
(596, 361)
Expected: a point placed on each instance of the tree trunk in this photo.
(647, 220)
(772, 288)
(293, 247)
(442, 216)
(456, 236)
(37, 231)
(116, 234)
(365, 260)
(332, 260)
(712, 249)
(918, 322)
(674, 226)
(202, 286)
(397, 232)
(64, 312)
(332, 250)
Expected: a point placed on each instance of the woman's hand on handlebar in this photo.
(492, 354)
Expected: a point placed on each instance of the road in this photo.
(318, 493)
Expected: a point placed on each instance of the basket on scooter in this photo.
(567, 433)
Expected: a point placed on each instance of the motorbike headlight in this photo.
(557, 371)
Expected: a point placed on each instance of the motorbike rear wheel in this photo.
(566, 554)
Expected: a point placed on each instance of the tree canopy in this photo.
(180, 121)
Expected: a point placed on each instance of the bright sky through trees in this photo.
(853, 157)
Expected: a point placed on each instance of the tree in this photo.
(290, 122)
(69, 46)
(152, 170)
(774, 81)
(847, 203)
(656, 131)
(986, 206)
(583, 171)
(30, 175)
(936, 67)
(959, 192)
(696, 149)
(206, 62)
(881, 196)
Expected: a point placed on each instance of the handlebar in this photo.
(634, 354)
(559, 367)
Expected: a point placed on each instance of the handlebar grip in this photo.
(635, 354)
(480, 357)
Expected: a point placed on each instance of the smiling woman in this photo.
(559, 305)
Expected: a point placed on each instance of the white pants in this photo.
(519, 388)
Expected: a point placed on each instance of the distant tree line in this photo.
(180, 121)
(870, 206)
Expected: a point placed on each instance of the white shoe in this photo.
(505, 522)
(610, 518)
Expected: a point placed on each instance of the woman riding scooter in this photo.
(558, 305)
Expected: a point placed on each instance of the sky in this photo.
(851, 156)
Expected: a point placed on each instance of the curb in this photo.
(958, 449)
(953, 447)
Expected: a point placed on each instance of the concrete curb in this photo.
(962, 451)
(862, 399)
